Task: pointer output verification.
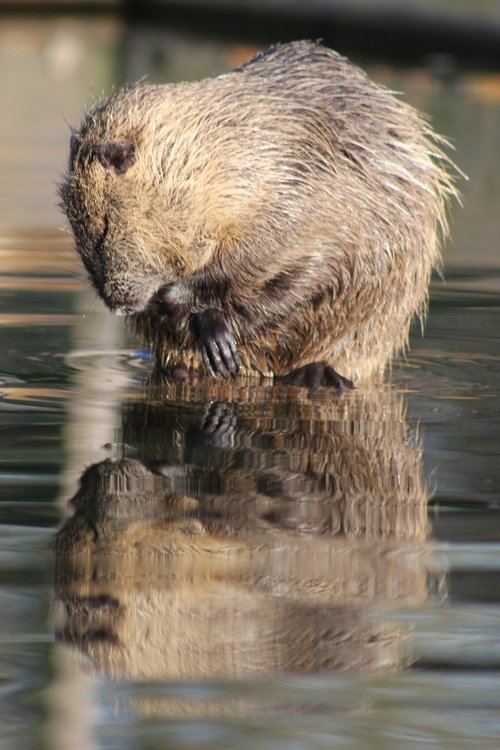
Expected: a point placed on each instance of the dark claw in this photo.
(317, 374)
(218, 345)
(214, 351)
(207, 363)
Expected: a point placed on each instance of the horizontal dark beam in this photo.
(375, 28)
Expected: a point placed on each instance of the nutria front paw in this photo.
(218, 345)
(317, 374)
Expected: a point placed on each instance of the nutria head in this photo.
(95, 202)
(135, 228)
(109, 197)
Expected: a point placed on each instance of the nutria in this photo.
(283, 218)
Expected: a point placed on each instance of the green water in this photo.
(217, 566)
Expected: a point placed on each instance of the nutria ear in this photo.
(116, 156)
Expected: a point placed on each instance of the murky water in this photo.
(221, 566)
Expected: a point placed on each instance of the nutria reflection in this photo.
(246, 536)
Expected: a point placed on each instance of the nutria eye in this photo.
(116, 157)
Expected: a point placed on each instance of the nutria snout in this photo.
(282, 219)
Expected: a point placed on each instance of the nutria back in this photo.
(282, 218)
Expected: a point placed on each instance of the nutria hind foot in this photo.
(218, 345)
(317, 374)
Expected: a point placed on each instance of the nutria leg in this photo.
(218, 345)
(317, 374)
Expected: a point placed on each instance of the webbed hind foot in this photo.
(315, 375)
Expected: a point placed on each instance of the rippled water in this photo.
(240, 565)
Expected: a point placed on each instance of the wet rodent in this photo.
(283, 218)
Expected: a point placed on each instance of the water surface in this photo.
(242, 565)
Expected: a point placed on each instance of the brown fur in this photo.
(293, 195)
(282, 552)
